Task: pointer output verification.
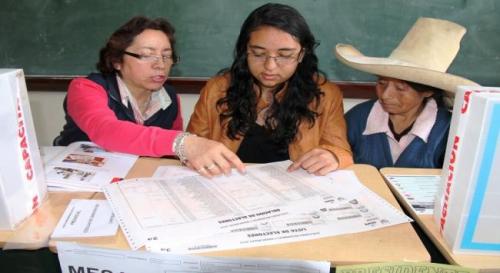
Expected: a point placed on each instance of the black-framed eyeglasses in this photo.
(279, 60)
(168, 59)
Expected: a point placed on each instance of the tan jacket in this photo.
(328, 132)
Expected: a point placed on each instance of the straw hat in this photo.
(423, 56)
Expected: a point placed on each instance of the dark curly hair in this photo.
(112, 52)
(285, 114)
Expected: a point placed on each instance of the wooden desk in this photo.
(35, 231)
(396, 243)
(485, 263)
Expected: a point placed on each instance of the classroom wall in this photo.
(48, 114)
(55, 37)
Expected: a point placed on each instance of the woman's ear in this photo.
(117, 66)
(428, 94)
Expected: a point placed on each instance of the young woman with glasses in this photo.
(273, 103)
(128, 107)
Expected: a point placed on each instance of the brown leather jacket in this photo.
(328, 132)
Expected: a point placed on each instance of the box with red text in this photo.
(22, 180)
(468, 201)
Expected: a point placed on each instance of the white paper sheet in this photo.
(315, 206)
(348, 207)
(86, 218)
(173, 171)
(419, 191)
(183, 205)
(77, 258)
(84, 166)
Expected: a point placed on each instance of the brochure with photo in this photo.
(84, 166)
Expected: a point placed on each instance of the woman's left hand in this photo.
(317, 161)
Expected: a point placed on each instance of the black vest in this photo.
(163, 118)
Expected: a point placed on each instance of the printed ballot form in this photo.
(419, 191)
(267, 205)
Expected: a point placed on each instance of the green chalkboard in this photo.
(63, 37)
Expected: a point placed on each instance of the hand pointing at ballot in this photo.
(210, 158)
(317, 161)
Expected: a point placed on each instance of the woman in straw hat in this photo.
(407, 126)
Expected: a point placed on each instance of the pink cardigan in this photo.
(87, 104)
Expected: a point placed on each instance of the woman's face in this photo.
(273, 56)
(146, 75)
(398, 97)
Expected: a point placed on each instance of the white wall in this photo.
(48, 114)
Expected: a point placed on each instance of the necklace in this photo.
(145, 106)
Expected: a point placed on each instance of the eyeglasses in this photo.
(279, 60)
(168, 59)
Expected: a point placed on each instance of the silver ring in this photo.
(209, 167)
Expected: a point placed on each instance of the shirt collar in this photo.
(378, 121)
(425, 121)
(160, 95)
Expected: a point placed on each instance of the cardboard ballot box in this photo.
(22, 181)
(467, 208)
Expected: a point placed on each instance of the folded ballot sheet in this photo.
(84, 166)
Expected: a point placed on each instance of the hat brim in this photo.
(398, 69)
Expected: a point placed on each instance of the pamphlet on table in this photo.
(84, 166)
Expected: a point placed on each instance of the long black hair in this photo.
(285, 114)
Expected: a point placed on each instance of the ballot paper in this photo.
(77, 258)
(347, 207)
(289, 207)
(419, 191)
(84, 166)
(150, 209)
(173, 171)
(86, 218)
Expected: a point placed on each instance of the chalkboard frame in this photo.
(352, 90)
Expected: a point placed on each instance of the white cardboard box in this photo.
(467, 208)
(22, 180)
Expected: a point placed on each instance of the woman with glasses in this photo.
(128, 107)
(273, 103)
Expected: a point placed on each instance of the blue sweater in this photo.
(374, 149)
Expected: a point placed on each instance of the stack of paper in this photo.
(84, 166)
(267, 205)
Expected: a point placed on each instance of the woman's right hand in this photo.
(210, 158)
